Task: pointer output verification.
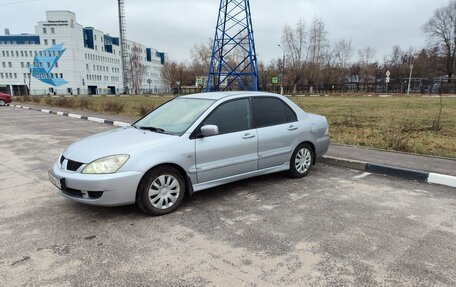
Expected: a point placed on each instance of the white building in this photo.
(64, 58)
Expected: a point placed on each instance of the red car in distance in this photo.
(4, 99)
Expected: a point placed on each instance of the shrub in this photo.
(64, 102)
(113, 106)
(27, 99)
(49, 101)
(36, 99)
(145, 109)
(85, 103)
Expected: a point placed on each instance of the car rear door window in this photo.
(231, 117)
(271, 112)
(291, 115)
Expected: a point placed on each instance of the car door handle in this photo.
(248, 136)
(292, 128)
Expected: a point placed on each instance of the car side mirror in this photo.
(209, 130)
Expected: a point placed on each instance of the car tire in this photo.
(301, 161)
(2, 103)
(161, 191)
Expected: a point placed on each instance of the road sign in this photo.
(275, 80)
(388, 79)
(388, 74)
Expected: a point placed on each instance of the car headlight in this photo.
(106, 165)
(327, 131)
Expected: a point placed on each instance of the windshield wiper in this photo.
(152, 129)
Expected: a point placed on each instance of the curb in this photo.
(427, 177)
(76, 116)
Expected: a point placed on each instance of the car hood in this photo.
(127, 140)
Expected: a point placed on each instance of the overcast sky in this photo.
(174, 26)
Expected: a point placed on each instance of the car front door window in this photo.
(231, 117)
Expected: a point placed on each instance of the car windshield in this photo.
(174, 117)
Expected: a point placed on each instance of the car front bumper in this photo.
(101, 190)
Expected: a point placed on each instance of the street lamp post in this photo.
(283, 69)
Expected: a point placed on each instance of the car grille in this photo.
(71, 164)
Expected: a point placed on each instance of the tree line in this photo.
(315, 64)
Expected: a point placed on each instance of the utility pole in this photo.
(283, 69)
(123, 45)
(410, 78)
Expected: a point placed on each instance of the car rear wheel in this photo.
(301, 161)
(2, 103)
(161, 191)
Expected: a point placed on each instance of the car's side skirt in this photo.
(214, 183)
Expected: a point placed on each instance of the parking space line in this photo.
(362, 175)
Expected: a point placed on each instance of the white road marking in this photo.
(362, 175)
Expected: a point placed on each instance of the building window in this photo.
(22, 64)
(15, 75)
(95, 37)
(10, 64)
(1, 75)
(17, 54)
(56, 64)
(48, 64)
(52, 30)
(22, 53)
(44, 31)
(61, 75)
(45, 42)
(53, 41)
(96, 48)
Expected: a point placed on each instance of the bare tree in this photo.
(170, 74)
(294, 41)
(201, 58)
(367, 65)
(343, 51)
(441, 30)
(318, 41)
(136, 69)
(317, 51)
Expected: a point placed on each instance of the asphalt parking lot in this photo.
(337, 227)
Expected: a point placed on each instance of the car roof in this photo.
(221, 95)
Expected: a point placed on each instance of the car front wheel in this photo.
(301, 161)
(161, 191)
(2, 103)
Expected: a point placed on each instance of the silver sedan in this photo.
(192, 143)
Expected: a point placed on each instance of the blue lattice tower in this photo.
(233, 62)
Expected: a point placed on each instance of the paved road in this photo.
(337, 227)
